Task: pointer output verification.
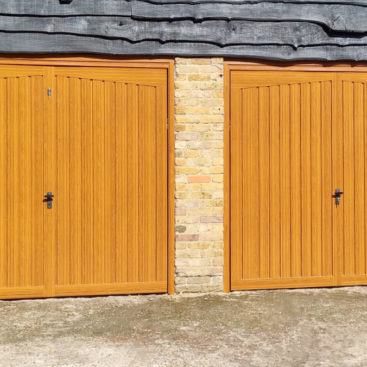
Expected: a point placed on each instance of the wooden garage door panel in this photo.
(111, 196)
(22, 248)
(96, 138)
(352, 176)
(281, 169)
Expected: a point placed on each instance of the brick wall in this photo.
(199, 120)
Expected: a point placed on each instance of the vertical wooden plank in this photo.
(87, 182)
(295, 169)
(246, 185)
(133, 182)
(76, 191)
(251, 183)
(349, 171)
(338, 176)
(110, 182)
(285, 180)
(63, 180)
(359, 172)
(121, 183)
(25, 189)
(327, 184)
(49, 180)
(3, 183)
(161, 188)
(151, 139)
(275, 182)
(236, 184)
(306, 178)
(365, 169)
(37, 152)
(20, 199)
(264, 180)
(170, 248)
(316, 178)
(227, 280)
(147, 174)
(98, 162)
(13, 182)
(143, 195)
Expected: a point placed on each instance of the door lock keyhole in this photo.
(338, 193)
(49, 197)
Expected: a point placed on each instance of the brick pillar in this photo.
(199, 120)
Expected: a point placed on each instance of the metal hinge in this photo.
(49, 92)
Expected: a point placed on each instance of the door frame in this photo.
(120, 62)
(236, 65)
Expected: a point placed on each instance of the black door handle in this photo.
(49, 197)
(338, 193)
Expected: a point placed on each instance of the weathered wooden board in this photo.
(77, 7)
(221, 33)
(49, 43)
(267, 29)
(343, 18)
(346, 2)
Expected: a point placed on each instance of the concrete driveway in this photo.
(324, 327)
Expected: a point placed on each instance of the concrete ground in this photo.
(323, 327)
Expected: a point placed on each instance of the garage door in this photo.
(95, 139)
(297, 138)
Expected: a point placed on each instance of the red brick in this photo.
(187, 237)
(199, 179)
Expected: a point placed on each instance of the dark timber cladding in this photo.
(283, 30)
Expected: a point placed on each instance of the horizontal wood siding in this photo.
(286, 30)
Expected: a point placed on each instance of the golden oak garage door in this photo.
(95, 140)
(297, 138)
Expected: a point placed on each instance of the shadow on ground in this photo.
(323, 327)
